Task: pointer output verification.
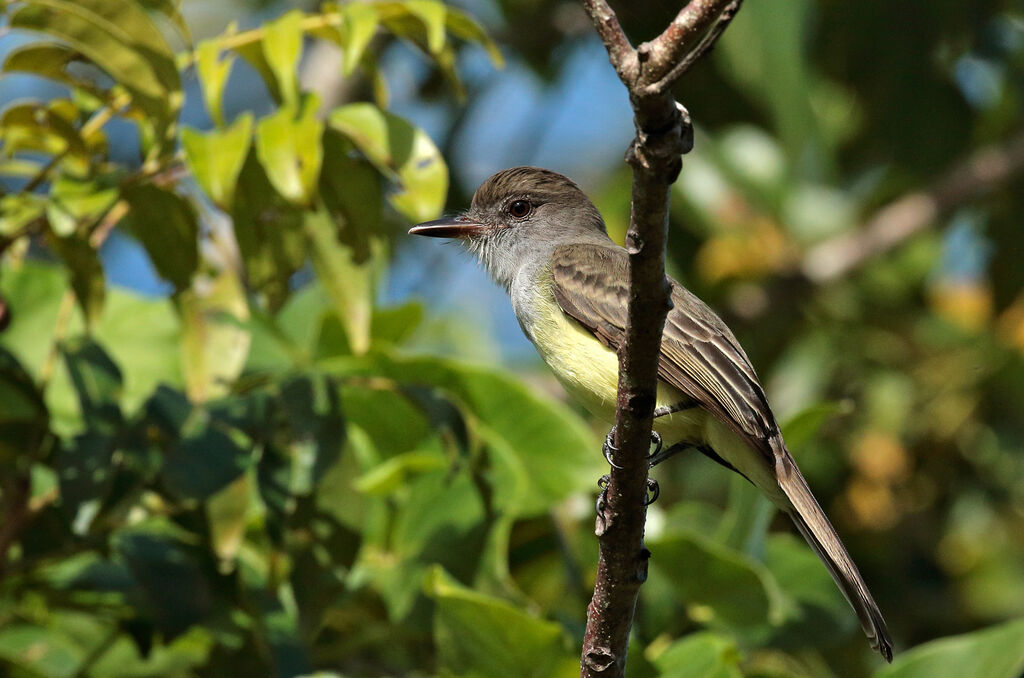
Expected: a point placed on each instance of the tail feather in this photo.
(814, 526)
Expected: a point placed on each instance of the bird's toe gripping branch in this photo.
(657, 456)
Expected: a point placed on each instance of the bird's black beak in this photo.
(448, 227)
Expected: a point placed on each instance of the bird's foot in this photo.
(609, 447)
(653, 492)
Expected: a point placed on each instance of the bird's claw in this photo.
(654, 491)
(609, 447)
(602, 496)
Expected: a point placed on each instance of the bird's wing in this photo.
(699, 355)
(701, 358)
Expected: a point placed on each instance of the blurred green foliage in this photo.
(254, 476)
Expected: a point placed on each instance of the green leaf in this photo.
(86, 473)
(214, 343)
(98, 383)
(431, 14)
(215, 158)
(402, 152)
(700, 655)
(128, 22)
(205, 461)
(312, 408)
(213, 77)
(358, 26)
(40, 651)
(801, 428)
(155, 560)
(481, 636)
(141, 60)
(24, 419)
(288, 145)
(166, 225)
(395, 324)
(388, 476)
(269, 232)
(348, 284)
(996, 652)
(282, 47)
(75, 202)
(351, 190)
(819, 613)
(48, 61)
(227, 513)
(17, 210)
(35, 127)
(720, 586)
(87, 278)
(467, 28)
(540, 452)
(172, 10)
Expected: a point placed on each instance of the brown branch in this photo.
(662, 135)
(981, 172)
(676, 43)
(620, 51)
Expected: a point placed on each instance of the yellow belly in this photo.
(589, 371)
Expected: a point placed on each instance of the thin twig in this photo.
(656, 158)
(981, 172)
(701, 50)
(620, 51)
(676, 42)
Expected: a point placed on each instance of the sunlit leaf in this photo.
(431, 14)
(215, 343)
(216, 157)
(349, 284)
(18, 210)
(288, 145)
(152, 79)
(282, 46)
(213, 72)
(73, 203)
(402, 152)
(358, 26)
(227, 512)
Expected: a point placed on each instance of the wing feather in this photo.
(699, 355)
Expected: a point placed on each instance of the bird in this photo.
(540, 237)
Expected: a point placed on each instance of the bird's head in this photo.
(518, 215)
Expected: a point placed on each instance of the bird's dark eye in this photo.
(519, 209)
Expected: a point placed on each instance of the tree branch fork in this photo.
(663, 134)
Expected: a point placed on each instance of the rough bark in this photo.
(663, 134)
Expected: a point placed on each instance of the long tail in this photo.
(814, 526)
